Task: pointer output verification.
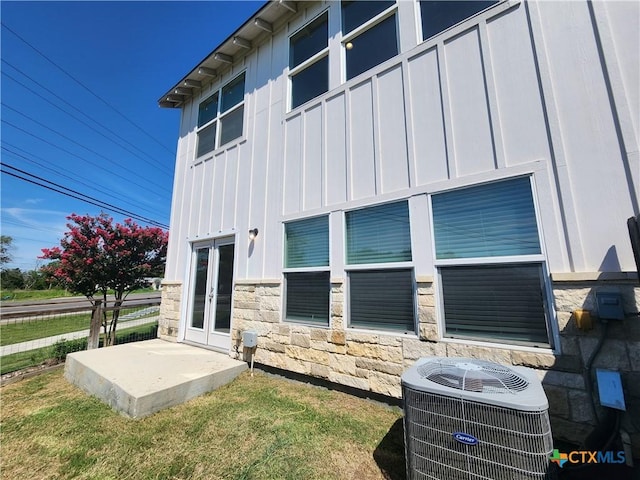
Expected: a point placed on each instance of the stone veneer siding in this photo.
(170, 306)
(375, 361)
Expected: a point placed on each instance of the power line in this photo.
(88, 90)
(156, 162)
(18, 155)
(77, 195)
(76, 143)
(75, 155)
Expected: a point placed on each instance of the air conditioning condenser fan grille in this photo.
(478, 376)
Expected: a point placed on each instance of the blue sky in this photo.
(80, 84)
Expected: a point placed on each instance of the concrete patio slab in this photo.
(138, 379)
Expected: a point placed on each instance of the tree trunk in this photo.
(94, 329)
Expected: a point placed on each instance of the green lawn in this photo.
(258, 427)
(32, 329)
(19, 361)
(14, 295)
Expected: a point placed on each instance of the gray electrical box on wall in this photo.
(610, 305)
(249, 338)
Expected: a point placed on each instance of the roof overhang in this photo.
(261, 24)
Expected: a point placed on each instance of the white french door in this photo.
(210, 294)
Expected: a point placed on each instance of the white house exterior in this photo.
(425, 178)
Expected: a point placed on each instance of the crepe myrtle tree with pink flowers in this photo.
(96, 257)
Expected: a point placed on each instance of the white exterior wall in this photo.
(548, 89)
(521, 88)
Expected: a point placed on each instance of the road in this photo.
(13, 309)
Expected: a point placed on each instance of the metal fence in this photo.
(42, 334)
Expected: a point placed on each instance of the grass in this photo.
(33, 294)
(21, 360)
(15, 295)
(259, 427)
(35, 328)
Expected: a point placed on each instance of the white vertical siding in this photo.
(392, 132)
(522, 124)
(427, 120)
(313, 166)
(336, 184)
(293, 165)
(595, 170)
(520, 89)
(472, 139)
(361, 139)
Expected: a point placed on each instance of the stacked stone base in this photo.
(374, 362)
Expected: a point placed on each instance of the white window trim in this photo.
(219, 116)
(541, 259)
(359, 267)
(372, 22)
(292, 72)
(414, 291)
(285, 270)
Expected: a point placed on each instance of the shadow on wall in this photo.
(593, 340)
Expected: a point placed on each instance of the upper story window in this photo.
(369, 34)
(221, 116)
(309, 61)
(438, 15)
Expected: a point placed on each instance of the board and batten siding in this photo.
(542, 88)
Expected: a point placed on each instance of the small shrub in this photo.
(63, 347)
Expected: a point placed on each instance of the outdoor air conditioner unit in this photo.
(472, 419)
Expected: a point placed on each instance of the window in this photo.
(309, 61)
(221, 116)
(370, 36)
(380, 273)
(437, 16)
(306, 271)
(490, 263)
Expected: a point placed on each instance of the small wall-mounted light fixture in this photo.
(253, 233)
(223, 57)
(263, 25)
(209, 72)
(241, 42)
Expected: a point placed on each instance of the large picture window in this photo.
(221, 117)
(370, 37)
(379, 268)
(438, 15)
(490, 264)
(306, 271)
(309, 61)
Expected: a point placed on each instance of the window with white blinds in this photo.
(496, 219)
(379, 270)
(306, 271)
(379, 234)
(490, 264)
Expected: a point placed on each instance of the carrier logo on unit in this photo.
(465, 438)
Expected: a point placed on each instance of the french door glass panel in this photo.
(224, 290)
(200, 288)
